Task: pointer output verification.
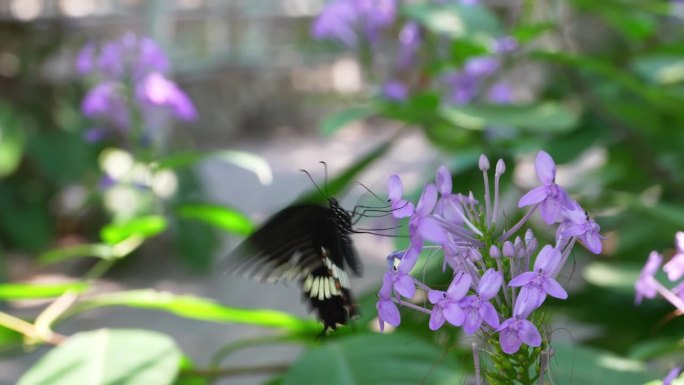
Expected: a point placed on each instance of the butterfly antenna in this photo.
(371, 192)
(325, 173)
(314, 182)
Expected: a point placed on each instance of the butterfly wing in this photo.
(304, 243)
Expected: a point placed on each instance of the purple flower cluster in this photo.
(133, 87)
(498, 279)
(647, 286)
(348, 21)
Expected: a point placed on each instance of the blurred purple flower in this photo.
(675, 267)
(343, 19)
(422, 225)
(551, 197)
(94, 135)
(644, 285)
(85, 59)
(106, 101)
(477, 308)
(463, 87)
(446, 307)
(395, 91)
(409, 43)
(505, 44)
(482, 66)
(157, 90)
(672, 375)
(500, 93)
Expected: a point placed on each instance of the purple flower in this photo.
(500, 93)
(106, 101)
(448, 204)
(675, 267)
(94, 135)
(644, 285)
(551, 197)
(341, 19)
(85, 59)
(395, 91)
(518, 330)
(409, 43)
(401, 280)
(157, 90)
(672, 375)
(477, 308)
(540, 282)
(422, 225)
(387, 310)
(446, 307)
(401, 208)
(464, 87)
(482, 66)
(579, 224)
(505, 44)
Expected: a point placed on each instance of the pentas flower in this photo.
(551, 198)
(647, 286)
(499, 279)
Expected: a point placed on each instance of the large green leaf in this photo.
(536, 118)
(14, 291)
(144, 227)
(246, 160)
(372, 359)
(198, 308)
(12, 140)
(108, 357)
(573, 364)
(223, 217)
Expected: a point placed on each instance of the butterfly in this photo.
(310, 244)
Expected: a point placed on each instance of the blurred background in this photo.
(140, 141)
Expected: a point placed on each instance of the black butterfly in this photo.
(311, 244)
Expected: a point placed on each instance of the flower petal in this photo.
(522, 279)
(432, 230)
(472, 320)
(405, 286)
(550, 210)
(545, 168)
(593, 242)
(529, 298)
(489, 314)
(435, 296)
(528, 333)
(388, 312)
(402, 208)
(427, 200)
(554, 289)
(533, 196)
(509, 341)
(459, 286)
(395, 188)
(454, 314)
(443, 180)
(490, 283)
(675, 267)
(547, 260)
(436, 318)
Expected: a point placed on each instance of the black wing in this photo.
(304, 243)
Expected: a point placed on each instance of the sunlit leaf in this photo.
(246, 160)
(395, 359)
(14, 291)
(612, 276)
(537, 118)
(144, 227)
(575, 364)
(223, 217)
(198, 308)
(340, 119)
(98, 250)
(12, 140)
(454, 20)
(108, 357)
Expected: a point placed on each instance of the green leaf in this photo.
(14, 291)
(195, 242)
(99, 250)
(9, 338)
(223, 217)
(143, 227)
(395, 359)
(246, 160)
(574, 364)
(198, 308)
(108, 357)
(337, 184)
(654, 348)
(534, 118)
(12, 140)
(660, 69)
(619, 278)
(454, 21)
(340, 119)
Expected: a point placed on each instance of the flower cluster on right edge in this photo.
(647, 286)
(500, 276)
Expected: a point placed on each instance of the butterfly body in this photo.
(310, 244)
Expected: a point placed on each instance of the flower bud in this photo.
(484, 163)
